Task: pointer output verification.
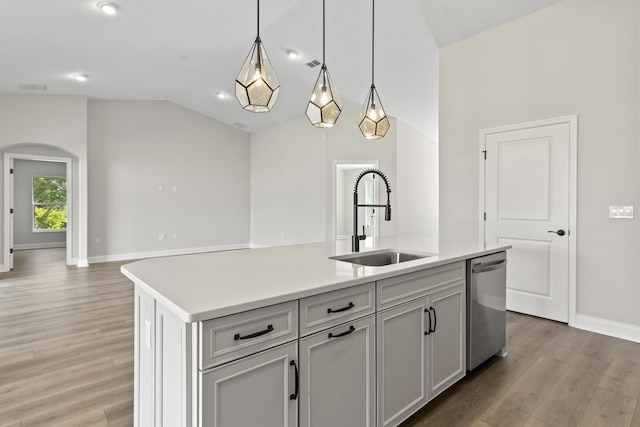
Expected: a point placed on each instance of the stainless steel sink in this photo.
(380, 258)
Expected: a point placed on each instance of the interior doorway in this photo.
(345, 174)
(9, 234)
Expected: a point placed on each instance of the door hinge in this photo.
(11, 210)
(484, 153)
(11, 170)
(11, 250)
(485, 216)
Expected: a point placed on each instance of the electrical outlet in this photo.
(97, 240)
(161, 236)
(621, 212)
(174, 236)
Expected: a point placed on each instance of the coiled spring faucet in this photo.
(355, 239)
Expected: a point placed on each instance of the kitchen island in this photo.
(287, 336)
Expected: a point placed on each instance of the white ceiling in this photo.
(185, 51)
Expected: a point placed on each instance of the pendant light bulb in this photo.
(372, 120)
(257, 86)
(324, 106)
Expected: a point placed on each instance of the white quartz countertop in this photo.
(214, 284)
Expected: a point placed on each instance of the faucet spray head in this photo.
(387, 210)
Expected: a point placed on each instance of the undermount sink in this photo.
(380, 258)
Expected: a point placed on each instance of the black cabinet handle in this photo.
(338, 310)
(237, 337)
(428, 313)
(351, 329)
(294, 396)
(435, 319)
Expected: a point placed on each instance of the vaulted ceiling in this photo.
(186, 51)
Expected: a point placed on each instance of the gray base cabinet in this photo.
(337, 381)
(446, 345)
(402, 362)
(420, 341)
(364, 356)
(253, 391)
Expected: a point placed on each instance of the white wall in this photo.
(578, 56)
(51, 125)
(24, 237)
(292, 178)
(136, 147)
(417, 195)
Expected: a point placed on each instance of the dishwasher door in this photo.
(486, 308)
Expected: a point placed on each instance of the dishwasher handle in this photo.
(490, 266)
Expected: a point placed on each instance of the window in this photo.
(49, 203)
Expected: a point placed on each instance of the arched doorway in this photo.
(39, 153)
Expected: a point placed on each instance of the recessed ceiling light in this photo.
(80, 77)
(108, 7)
(292, 54)
(221, 95)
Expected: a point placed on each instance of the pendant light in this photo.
(324, 106)
(372, 120)
(257, 86)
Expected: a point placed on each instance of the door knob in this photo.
(559, 232)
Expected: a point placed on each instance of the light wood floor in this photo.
(66, 359)
(66, 343)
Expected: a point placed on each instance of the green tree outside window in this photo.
(49, 203)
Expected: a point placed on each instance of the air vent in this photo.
(240, 125)
(24, 86)
(313, 63)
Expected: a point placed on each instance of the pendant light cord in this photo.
(373, 23)
(258, 18)
(323, 36)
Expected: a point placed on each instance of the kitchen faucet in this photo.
(355, 239)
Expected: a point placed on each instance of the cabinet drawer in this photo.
(396, 290)
(231, 337)
(332, 308)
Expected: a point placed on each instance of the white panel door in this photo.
(11, 214)
(527, 206)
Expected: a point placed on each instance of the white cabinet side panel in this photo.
(144, 363)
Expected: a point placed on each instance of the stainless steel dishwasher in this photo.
(486, 308)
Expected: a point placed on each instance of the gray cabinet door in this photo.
(402, 361)
(337, 376)
(253, 391)
(447, 355)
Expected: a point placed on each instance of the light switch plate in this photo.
(621, 212)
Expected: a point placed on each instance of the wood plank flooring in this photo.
(66, 359)
(66, 343)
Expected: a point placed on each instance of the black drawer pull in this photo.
(428, 315)
(294, 396)
(253, 335)
(351, 329)
(435, 319)
(338, 310)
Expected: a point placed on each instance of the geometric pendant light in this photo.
(324, 105)
(256, 85)
(372, 120)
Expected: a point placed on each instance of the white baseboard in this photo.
(612, 328)
(23, 246)
(171, 252)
